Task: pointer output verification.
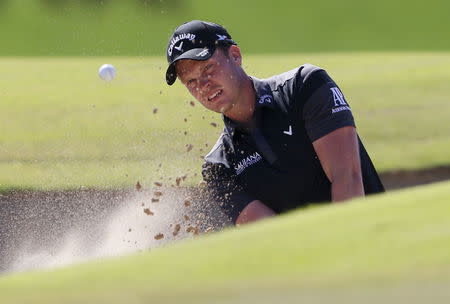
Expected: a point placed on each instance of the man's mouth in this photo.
(216, 94)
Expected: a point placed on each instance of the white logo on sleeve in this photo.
(339, 101)
(338, 97)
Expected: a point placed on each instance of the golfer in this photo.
(288, 140)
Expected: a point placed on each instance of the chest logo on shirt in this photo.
(265, 99)
(247, 162)
(288, 132)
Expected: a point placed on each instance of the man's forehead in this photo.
(185, 65)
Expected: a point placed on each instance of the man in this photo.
(288, 140)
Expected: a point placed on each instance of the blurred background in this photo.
(142, 27)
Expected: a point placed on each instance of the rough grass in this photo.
(387, 248)
(62, 127)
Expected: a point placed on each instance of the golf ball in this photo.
(107, 72)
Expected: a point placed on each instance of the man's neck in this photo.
(244, 108)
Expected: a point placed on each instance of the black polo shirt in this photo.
(275, 161)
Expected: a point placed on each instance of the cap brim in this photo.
(194, 54)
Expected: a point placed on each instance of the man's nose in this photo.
(204, 82)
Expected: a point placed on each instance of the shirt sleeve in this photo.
(326, 108)
(223, 189)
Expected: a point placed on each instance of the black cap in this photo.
(195, 40)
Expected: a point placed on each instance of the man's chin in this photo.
(225, 108)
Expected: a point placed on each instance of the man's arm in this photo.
(254, 211)
(222, 187)
(338, 153)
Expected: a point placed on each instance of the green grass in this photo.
(62, 127)
(389, 248)
(116, 27)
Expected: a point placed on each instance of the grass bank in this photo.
(389, 248)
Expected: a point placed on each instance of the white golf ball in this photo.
(107, 72)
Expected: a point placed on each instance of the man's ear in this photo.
(235, 54)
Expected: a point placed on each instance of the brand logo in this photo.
(265, 99)
(178, 38)
(179, 47)
(203, 53)
(338, 97)
(339, 101)
(288, 132)
(247, 162)
(221, 37)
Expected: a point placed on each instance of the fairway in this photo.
(391, 248)
(64, 128)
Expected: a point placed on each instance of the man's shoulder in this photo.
(306, 70)
(298, 75)
(286, 88)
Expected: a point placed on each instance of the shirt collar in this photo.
(264, 96)
(263, 99)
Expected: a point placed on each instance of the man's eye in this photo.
(191, 82)
(208, 67)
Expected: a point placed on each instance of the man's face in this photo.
(215, 82)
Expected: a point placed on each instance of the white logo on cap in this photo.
(179, 47)
(221, 37)
(203, 53)
(178, 38)
(265, 99)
